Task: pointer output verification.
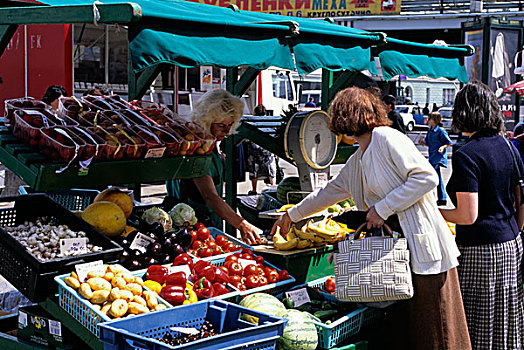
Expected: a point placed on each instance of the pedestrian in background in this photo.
(52, 94)
(518, 139)
(394, 115)
(437, 140)
(425, 110)
(310, 103)
(484, 189)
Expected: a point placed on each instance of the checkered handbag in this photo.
(373, 269)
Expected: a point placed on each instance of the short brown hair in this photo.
(436, 117)
(355, 111)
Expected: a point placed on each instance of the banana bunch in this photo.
(285, 207)
(312, 234)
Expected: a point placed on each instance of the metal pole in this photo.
(25, 61)
(106, 56)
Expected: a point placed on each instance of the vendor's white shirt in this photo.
(393, 176)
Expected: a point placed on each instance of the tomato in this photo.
(229, 246)
(223, 268)
(263, 280)
(247, 251)
(240, 286)
(267, 269)
(329, 285)
(235, 278)
(205, 252)
(260, 271)
(193, 236)
(252, 281)
(217, 250)
(259, 259)
(231, 258)
(283, 275)
(272, 277)
(197, 244)
(220, 240)
(192, 251)
(235, 269)
(237, 255)
(250, 270)
(246, 256)
(243, 279)
(203, 233)
(211, 244)
(198, 225)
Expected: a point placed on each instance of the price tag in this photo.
(155, 152)
(141, 242)
(299, 296)
(83, 269)
(245, 262)
(55, 328)
(73, 245)
(321, 179)
(185, 330)
(22, 318)
(183, 268)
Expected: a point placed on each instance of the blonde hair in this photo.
(215, 106)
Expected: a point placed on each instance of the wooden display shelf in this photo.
(40, 174)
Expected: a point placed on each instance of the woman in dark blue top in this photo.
(483, 188)
(437, 140)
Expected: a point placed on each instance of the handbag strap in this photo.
(385, 228)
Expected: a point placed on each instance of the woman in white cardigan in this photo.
(388, 175)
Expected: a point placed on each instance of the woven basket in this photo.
(373, 269)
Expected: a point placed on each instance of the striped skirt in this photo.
(491, 283)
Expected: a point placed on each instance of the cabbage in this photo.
(158, 215)
(183, 215)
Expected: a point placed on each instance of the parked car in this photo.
(445, 113)
(412, 115)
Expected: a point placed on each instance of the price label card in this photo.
(245, 262)
(321, 179)
(55, 328)
(155, 152)
(22, 318)
(141, 242)
(83, 269)
(299, 296)
(185, 330)
(183, 268)
(73, 245)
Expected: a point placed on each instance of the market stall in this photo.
(161, 33)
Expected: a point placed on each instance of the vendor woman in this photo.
(219, 113)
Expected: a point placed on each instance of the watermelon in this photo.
(262, 302)
(289, 184)
(300, 332)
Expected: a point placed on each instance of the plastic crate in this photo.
(81, 309)
(30, 276)
(235, 333)
(268, 201)
(74, 199)
(216, 232)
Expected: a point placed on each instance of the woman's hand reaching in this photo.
(373, 219)
(284, 223)
(249, 233)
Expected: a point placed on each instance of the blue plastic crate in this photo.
(216, 232)
(81, 309)
(74, 199)
(235, 333)
(268, 201)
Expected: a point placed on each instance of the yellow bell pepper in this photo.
(191, 296)
(153, 285)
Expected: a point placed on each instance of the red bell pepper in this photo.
(221, 276)
(178, 278)
(183, 259)
(219, 289)
(175, 295)
(330, 284)
(157, 273)
(204, 269)
(204, 289)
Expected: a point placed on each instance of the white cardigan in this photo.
(393, 176)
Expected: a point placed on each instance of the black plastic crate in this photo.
(34, 278)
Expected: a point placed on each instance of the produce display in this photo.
(207, 330)
(42, 239)
(115, 292)
(312, 234)
(204, 246)
(103, 128)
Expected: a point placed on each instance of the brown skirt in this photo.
(433, 319)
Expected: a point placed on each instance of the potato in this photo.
(114, 294)
(94, 274)
(106, 308)
(126, 295)
(118, 282)
(140, 300)
(119, 308)
(129, 278)
(85, 291)
(99, 296)
(109, 276)
(136, 308)
(160, 307)
(72, 282)
(151, 300)
(139, 280)
(97, 307)
(134, 288)
(98, 283)
(115, 269)
(74, 275)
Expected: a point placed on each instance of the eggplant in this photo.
(165, 259)
(149, 260)
(183, 237)
(134, 265)
(154, 249)
(125, 243)
(157, 229)
(176, 250)
(124, 257)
